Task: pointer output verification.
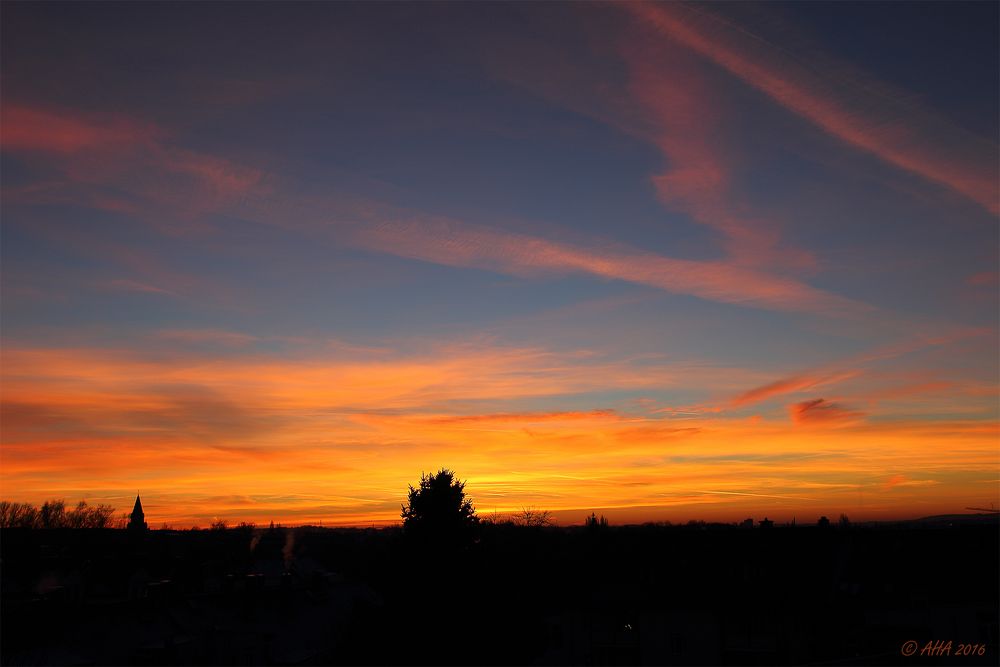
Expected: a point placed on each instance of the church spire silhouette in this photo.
(137, 522)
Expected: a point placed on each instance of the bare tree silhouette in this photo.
(530, 517)
(53, 514)
(18, 515)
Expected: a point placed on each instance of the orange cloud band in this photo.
(339, 440)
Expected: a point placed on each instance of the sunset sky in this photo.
(657, 261)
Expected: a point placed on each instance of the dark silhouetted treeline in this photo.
(53, 514)
(516, 592)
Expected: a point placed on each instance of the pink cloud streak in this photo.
(448, 242)
(792, 384)
(956, 160)
(124, 155)
(681, 105)
(855, 366)
(29, 129)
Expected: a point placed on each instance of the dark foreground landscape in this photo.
(588, 595)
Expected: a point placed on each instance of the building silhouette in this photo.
(137, 521)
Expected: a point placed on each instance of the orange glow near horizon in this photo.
(299, 442)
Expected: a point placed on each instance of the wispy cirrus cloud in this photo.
(31, 129)
(850, 108)
(822, 411)
(380, 227)
(858, 365)
(793, 384)
(121, 164)
(686, 118)
(145, 169)
(340, 382)
(665, 98)
(452, 243)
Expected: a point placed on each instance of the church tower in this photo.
(138, 520)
